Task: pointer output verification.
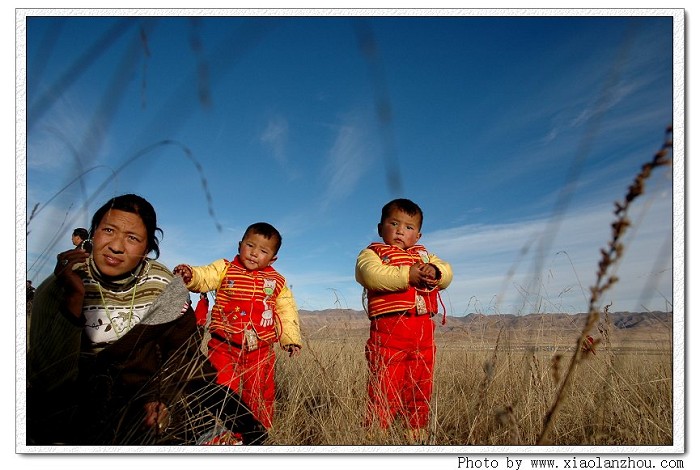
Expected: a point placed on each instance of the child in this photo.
(402, 282)
(202, 310)
(253, 309)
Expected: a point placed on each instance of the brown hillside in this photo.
(534, 330)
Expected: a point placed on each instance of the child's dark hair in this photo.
(81, 232)
(404, 205)
(267, 231)
(135, 205)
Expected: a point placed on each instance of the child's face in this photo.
(400, 229)
(256, 252)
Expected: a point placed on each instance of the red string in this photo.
(444, 310)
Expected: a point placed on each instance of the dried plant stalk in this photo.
(604, 280)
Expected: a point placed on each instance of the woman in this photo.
(113, 356)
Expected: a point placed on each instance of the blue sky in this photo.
(514, 134)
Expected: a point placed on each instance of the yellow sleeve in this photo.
(288, 316)
(445, 270)
(207, 278)
(372, 274)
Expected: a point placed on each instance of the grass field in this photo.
(492, 390)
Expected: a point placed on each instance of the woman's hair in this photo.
(135, 205)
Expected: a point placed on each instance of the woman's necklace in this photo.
(117, 287)
(109, 317)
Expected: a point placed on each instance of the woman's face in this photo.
(119, 243)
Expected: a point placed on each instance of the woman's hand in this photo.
(184, 271)
(156, 414)
(70, 281)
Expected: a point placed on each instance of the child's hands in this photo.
(184, 271)
(429, 273)
(423, 275)
(293, 349)
(414, 275)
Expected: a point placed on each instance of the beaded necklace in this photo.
(135, 275)
(131, 310)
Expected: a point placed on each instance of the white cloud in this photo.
(276, 135)
(347, 163)
(526, 265)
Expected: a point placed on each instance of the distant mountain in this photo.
(346, 321)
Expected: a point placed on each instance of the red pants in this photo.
(251, 374)
(400, 354)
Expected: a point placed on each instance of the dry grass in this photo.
(490, 392)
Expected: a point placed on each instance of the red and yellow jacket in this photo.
(383, 271)
(258, 299)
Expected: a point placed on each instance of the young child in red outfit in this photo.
(402, 281)
(202, 309)
(254, 308)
